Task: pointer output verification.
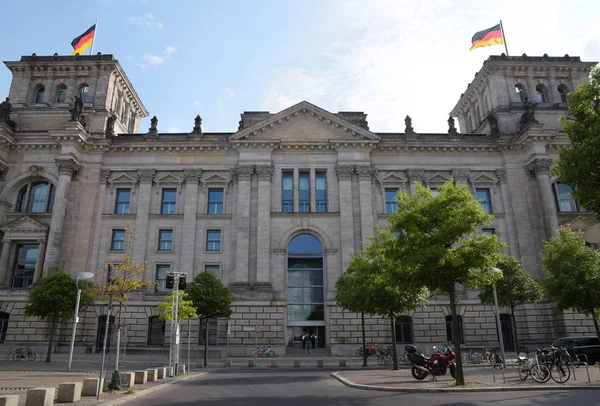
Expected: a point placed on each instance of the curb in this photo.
(144, 392)
(351, 384)
(47, 370)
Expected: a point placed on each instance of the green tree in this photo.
(437, 239)
(515, 288)
(578, 163)
(572, 274)
(377, 284)
(186, 307)
(54, 301)
(211, 299)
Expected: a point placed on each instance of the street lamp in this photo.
(498, 324)
(77, 277)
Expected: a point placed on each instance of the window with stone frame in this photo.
(562, 197)
(449, 336)
(287, 193)
(156, 331)
(520, 91)
(38, 96)
(24, 265)
(214, 268)
(321, 191)
(391, 200)
(117, 242)
(123, 201)
(84, 91)
(484, 197)
(168, 204)
(434, 191)
(563, 91)
(213, 240)
(541, 94)
(304, 192)
(165, 240)
(403, 326)
(36, 197)
(110, 273)
(61, 94)
(162, 270)
(488, 231)
(215, 200)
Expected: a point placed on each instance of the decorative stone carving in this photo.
(77, 109)
(197, 125)
(451, 126)
(192, 175)
(3, 172)
(109, 131)
(494, 130)
(146, 175)
(67, 166)
(408, 125)
(244, 172)
(416, 175)
(344, 172)
(104, 175)
(153, 130)
(5, 108)
(363, 171)
(461, 174)
(540, 165)
(529, 116)
(36, 170)
(501, 174)
(265, 172)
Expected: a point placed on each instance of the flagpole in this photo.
(504, 38)
(96, 31)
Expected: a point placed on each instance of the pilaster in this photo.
(263, 238)
(344, 174)
(243, 174)
(190, 208)
(540, 167)
(509, 216)
(104, 176)
(365, 177)
(145, 178)
(4, 271)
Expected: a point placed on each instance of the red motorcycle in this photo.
(437, 364)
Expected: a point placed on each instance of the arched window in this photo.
(541, 94)
(39, 95)
(305, 279)
(449, 335)
(563, 92)
(156, 331)
(521, 96)
(403, 327)
(83, 92)
(61, 94)
(36, 197)
(3, 325)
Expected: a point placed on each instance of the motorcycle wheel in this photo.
(418, 374)
(453, 371)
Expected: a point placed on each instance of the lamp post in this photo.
(498, 324)
(77, 277)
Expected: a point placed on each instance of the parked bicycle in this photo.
(557, 361)
(23, 353)
(537, 372)
(264, 352)
(383, 353)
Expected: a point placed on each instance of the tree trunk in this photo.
(52, 329)
(119, 318)
(460, 377)
(515, 334)
(394, 349)
(206, 344)
(364, 340)
(595, 323)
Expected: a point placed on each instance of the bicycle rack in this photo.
(587, 369)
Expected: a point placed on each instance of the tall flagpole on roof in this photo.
(96, 31)
(504, 38)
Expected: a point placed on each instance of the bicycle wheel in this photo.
(16, 356)
(271, 353)
(560, 373)
(524, 372)
(31, 356)
(540, 373)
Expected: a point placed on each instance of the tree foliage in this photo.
(186, 307)
(572, 273)
(55, 299)
(579, 163)
(516, 287)
(438, 242)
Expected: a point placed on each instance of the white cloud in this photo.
(198, 104)
(153, 59)
(173, 130)
(169, 50)
(228, 92)
(146, 21)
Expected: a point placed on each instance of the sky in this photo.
(218, 58)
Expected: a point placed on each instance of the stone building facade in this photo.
(274, 209)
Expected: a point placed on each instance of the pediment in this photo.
(168, 179)
(483, 178)
(123, 178)
(580, 223)
(24, 224)
(215, 178)
(437, 178)
(393, 178)
(304, 123)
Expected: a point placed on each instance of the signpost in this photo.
(227, 346)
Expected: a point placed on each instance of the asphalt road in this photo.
(317, 388)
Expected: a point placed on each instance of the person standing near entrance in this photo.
(313, 339)
(303, 338)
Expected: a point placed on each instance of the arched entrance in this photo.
(508, 336)
(306, 306)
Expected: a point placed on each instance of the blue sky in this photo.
(388, 58)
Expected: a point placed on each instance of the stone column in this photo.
(313, 191)
(540, 167)
(244, 176)
(190, 208)
(509, 217)
(49, 89)
(66, 169)
(71, 88)
(344, 174)
(263, 235)
(145, 177)
(4, 270)
(365, 174)
(531, 93)
(553, 96)
(94, 266)
(39, 261)
(415, 175)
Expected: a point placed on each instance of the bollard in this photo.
(128, 379)
(69, 392)
(342, 363)
(9, 400)
(90, 386)
(170, 372)
(387, 362)
(296, 363)
(152, 374)
(182, 369)
(162, 372)
(141, 377)
(250, 363)
(40, 397)
(319, 363)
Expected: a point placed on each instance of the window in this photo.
(564, 202)
(321, 191)
(449, 336)
(213, 240)
(520, 90)
(36, 197)
(404, 329)
(61, 94)
(391, 200)
(161, 277)
(541, 95)
(169, 201)
(434, 191)
(165, 240)
(215, 201)
(216, 269)
(156, 331)
(118, 240)
(123, 201)
(24, 265)
(110, 273)
(84, 90)
(287, 203)
(488, 231)
(304, 192)
(483, 195)
(39, 95)
(563, 92)
(3, 325)
(305, 280)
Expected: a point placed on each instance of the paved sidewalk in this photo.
(477, 379)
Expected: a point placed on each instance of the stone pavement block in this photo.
(90, 386)
(162, 372)
(128, 379)
(141, 377)
(40, 397)
(152, 374)
(69, 392)
(9, 400)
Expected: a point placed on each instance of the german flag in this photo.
(83, 41)
(489, 37)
